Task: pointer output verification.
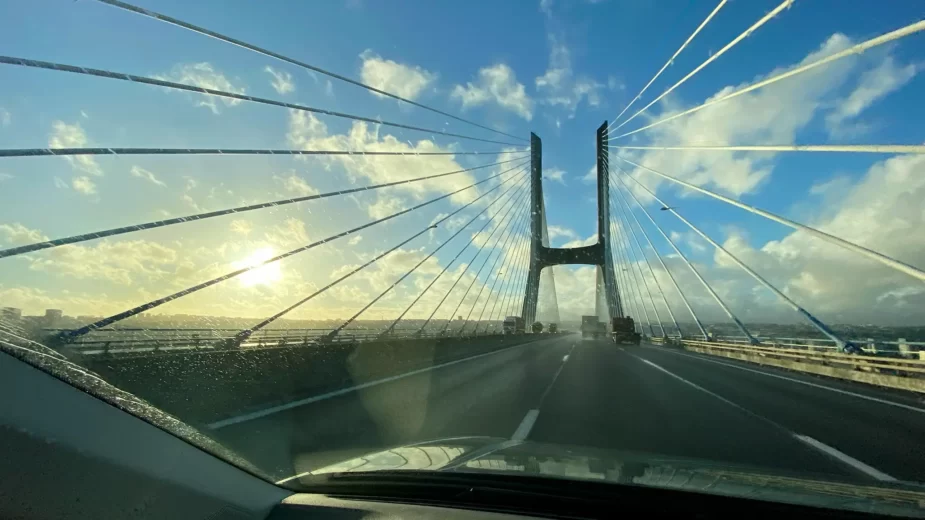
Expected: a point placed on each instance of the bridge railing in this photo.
(137, 341)
(892, 372)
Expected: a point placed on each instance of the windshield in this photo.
(321, 245)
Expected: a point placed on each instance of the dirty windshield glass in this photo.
(647, 243)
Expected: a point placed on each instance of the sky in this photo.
(554, 68)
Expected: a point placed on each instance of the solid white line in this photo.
(792, 380)
(308, 400)
(846, 459)
(813, 443)
(704, 390)
(526, 425)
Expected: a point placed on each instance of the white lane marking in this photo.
(809, 441)
(807, 383)
(846, 459)
(555, 377)
(704, 390)
(308, 400)
(530, 419)
(526, 425)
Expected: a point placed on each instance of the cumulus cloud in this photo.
(84, 185)
(16, 234)
(395, 78)
(775, 115)
(873, 85)
(282, 81)
(561, 87)
(241, 227)
(309, 133)
(141, 173)
(296, 185)
(581, 242)
(206, 76)
(591, 176)
(64, 135)
(498, 85)
(555, 232)
(120, 262)
(554, 174)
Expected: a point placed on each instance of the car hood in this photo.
(496, 455)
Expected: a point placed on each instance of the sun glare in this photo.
(264, 275)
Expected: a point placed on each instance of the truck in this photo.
(513, 325)
(553, 328)
(590, 327)
(623, 331)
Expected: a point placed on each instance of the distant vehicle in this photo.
(624, 331)
(513, 325)
(591, 327)
(553, 328)
(537, 327)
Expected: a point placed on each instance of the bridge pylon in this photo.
(599, 254)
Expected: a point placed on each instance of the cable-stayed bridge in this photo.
(829, 403)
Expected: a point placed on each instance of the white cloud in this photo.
(142, 173)
(60, 183)
(496, 84)
(17, 234)
(874, 84)
(294, 184)
(5, 117)
(775, 115)
(385, 205)
(120, 262)
(581, 242)
(395, 78)
(309, 133)
(546, 7)
(282, 80)
(559, 85)
(64, 135)
(591, 176)
(288, 234)
(555, 232)
(5, 176)
(554, 174)
(83, 184)
(354, 240)
(241, 227)
(205, 76)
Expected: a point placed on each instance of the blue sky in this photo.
(556, 68)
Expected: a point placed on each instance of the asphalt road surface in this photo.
(569, 391)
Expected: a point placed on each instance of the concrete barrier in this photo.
(205, 386)
(826, 368)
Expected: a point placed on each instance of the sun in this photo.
(264, 275)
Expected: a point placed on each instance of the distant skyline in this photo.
(558, 68)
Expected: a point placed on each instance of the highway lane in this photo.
(485, 396)
(563, 390)
(880, 428)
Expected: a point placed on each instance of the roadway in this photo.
(565, 390)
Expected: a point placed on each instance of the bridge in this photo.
(292, 399)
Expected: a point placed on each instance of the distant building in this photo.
(11, 320)
(52, 318)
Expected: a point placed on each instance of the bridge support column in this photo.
(531, 296)
(598, 254)
(614, 304)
